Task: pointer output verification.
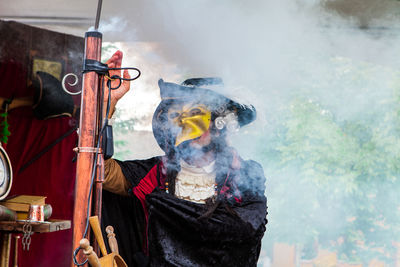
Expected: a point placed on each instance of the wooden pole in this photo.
(5, 249)
(16, 238)
(88, 131)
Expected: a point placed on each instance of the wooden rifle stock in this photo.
(88, 137)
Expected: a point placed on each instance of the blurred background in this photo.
(324, 76)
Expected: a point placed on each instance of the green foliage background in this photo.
(333, 170)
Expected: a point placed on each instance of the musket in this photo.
(94, 133)
(89, 134)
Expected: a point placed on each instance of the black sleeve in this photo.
(125, 213)
(136, 170)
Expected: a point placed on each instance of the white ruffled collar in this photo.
(195, 184)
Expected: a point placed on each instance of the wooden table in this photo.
(37, 227)
(9, 227)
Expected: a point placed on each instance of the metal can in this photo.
(36, 213)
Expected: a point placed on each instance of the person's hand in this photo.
(117, 94)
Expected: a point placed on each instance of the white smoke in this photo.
(258, 45)
(269, 52)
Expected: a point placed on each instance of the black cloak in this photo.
(168, 231)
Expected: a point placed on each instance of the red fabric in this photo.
(52, 175)
(145, 187)
(13, 80)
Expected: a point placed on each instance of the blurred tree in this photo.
(120, 128)
(340, 178)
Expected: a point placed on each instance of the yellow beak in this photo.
(194, 122)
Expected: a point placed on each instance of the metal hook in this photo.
(70, 84)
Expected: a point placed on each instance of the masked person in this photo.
(200, 204)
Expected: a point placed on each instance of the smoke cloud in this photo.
(285, 57)
(267, 48)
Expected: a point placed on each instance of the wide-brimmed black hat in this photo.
(196, 90)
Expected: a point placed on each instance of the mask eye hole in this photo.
(173, 115)
(195, 111)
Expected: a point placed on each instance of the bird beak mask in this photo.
(193, 121)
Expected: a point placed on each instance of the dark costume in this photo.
(156, 228)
